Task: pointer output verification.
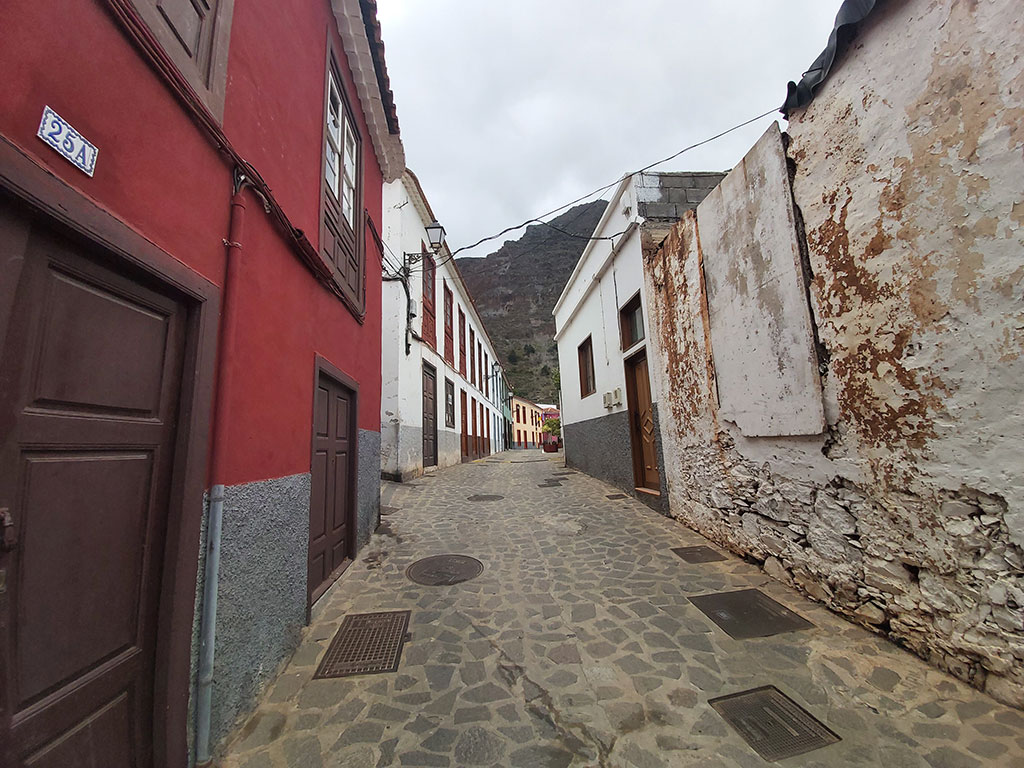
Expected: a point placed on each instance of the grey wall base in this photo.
(261, 594)
(601, 447)
(367, 488)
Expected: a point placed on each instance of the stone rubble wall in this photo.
(907, 514)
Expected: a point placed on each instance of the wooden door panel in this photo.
(331, 522)
(103, 739)
(429, 416)
(641, 424)
(86, 531)
(92, 372)
(319, 500)
(340, 507)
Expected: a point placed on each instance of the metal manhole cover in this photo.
(774, 725)
(484, 497)
(699, 554)
(365, 643)
(444, 570)
(749, 613)
(615, 496)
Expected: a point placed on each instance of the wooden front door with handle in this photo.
(332, 505)
(429, 416)
(91, 371)
(641, 424)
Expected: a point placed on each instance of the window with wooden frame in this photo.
(341, 195)
(195, 35)
(449, 403)
(462, 342)
(449, 329)
(472, 357)
(487, 374)
(429, 328)
(480, 363)
(585, 355)
(631, 322)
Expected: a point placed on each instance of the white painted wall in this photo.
(406, 214)
(607, 276)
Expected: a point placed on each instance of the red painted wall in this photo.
(158, 173)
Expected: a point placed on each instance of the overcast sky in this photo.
(510, 109)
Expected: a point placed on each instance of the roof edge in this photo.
(851, 14)
(360, 36)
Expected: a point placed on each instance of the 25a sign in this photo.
(69, 143)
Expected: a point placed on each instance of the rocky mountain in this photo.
(516, 287)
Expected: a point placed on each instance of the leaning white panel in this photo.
(761, 339)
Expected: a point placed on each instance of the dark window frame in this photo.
(429, 320)
(629, 311)
(585, 359)
(206, 70)
(472, 357)
(462, 342)
(347, 243)
(449, 403)
(449, 325)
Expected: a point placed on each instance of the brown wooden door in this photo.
(641, 422)
(465, 426)
(332, 506)
(90, 376)
(474, 443)
(429, 416)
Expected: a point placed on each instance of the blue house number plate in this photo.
(59, 134)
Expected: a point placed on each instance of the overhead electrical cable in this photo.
(540, 219)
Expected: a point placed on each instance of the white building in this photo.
(442, 384)
(609, 409)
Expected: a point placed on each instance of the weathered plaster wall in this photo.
(367, 487)
(768, 381)
(907, 513)
(261, 592)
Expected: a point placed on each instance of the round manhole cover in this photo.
(444, 570)
(484, 497)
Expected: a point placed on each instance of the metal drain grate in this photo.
(699, 554)
(444, 570)
(365, 643)
(774, 725)
(749, 613)
(484, 497)
(616, 496)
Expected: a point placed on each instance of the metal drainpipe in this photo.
(208, 621)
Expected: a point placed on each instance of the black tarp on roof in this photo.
(851, 13)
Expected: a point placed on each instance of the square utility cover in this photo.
(699, 554)
(749, 613)
(365, 643)
(774, 725)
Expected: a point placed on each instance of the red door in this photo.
(90, 373)
(332, 506)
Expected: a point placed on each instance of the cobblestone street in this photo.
(578, 646)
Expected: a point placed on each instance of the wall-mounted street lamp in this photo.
(435, 236)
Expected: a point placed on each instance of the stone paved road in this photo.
(577, 646)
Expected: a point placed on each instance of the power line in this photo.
(539, 219)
